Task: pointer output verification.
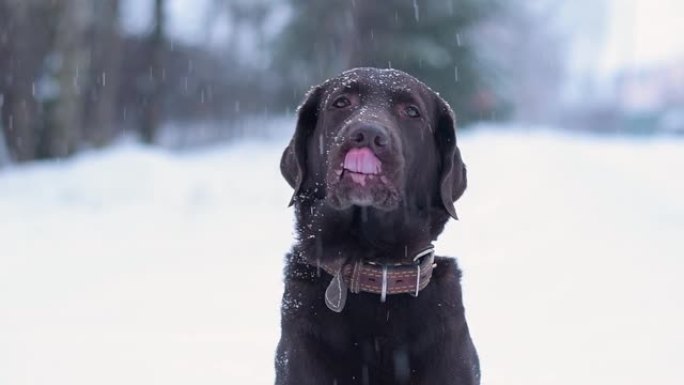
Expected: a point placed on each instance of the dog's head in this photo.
(376, 138)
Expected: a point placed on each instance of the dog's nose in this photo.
(369, 135)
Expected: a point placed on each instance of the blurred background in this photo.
(139, 151)
(80, 74)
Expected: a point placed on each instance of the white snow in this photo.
(141, 266)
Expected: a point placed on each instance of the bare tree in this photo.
(106, 48)
(4, 153)
(64, 134)
(19, 70)
(151, 118)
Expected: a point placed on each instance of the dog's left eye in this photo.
(412, 112)
(341, 102)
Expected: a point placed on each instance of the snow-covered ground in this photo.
(143, 266)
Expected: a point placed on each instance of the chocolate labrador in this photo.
(376, 171)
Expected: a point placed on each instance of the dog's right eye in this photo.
(341, 102)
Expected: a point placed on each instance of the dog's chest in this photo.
(386, 325)
(380, 338)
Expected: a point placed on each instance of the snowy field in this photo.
(142, 266)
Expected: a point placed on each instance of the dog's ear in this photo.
(293, 161)
(453, 180)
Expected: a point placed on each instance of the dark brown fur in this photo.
(406, 340)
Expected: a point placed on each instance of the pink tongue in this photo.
(362, 160)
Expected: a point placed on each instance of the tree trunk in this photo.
(65, 130)
(101, 127)
(151, 118)
(18, 103)
(4, 152)
(4, 62)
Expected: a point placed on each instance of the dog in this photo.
(376, 170)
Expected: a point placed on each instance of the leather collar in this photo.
(366, 276)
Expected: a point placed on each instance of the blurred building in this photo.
(652, 98)
(651, 89)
